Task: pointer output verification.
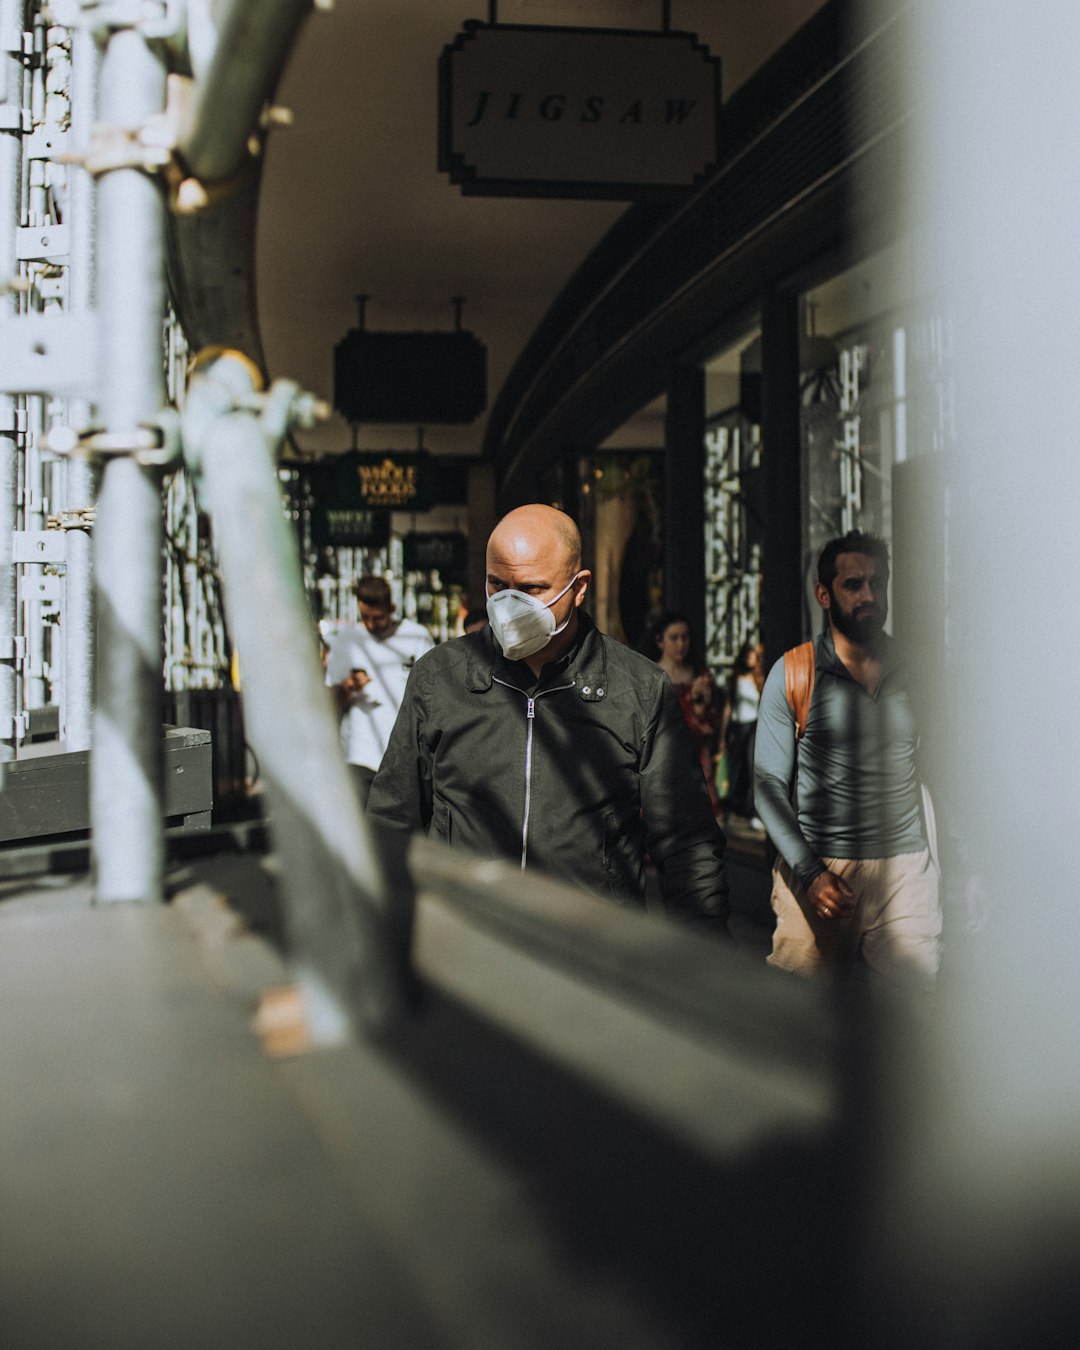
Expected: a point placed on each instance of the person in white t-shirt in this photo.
(366, 668)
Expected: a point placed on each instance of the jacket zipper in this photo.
(530, 714)
(530, 718)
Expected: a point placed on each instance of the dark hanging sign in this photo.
(446, 553)
(529, 111)
(410, 377)
(394, 482)
(343, 527)
(384, 481)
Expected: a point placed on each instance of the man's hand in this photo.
(830, 896)
(351, 687)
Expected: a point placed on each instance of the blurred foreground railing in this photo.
(689, 1031)
(168, 102)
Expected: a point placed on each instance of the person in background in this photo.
(543, 742)
(695, 689)
(747, 681)
(367, 667)
(474, 620)
(855, 882)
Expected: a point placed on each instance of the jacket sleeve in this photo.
(684, 840)
(400, 801)
(774, 779)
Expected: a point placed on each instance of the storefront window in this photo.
(875, 388)
(734, 519)
(878, 418)
(620, 515)
(877, 400)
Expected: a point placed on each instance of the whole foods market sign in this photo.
(577, 112)
(385, 481)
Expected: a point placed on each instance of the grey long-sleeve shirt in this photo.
(857, 789)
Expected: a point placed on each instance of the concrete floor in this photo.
(536, 1166)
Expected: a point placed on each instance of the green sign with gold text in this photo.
(387, 480)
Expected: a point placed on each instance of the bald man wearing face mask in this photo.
(541, 741)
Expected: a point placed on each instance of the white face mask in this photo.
(521, 623)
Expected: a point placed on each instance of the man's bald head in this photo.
(538, 532)
(537, 550)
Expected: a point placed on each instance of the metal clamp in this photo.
(12, 117)
(49, 354)
(38, 547)
(225, 382)
(43, 587)
(75, 518)
(284, 406)
(43, 243)
(155, 444)
(113, 148)
(15, 727)
(157, 20)
(150, 146)
(46, 142)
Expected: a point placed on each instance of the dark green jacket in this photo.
(577, 774)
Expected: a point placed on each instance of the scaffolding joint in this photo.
(226, 382)
(74, 518)
(15, 726)
(150, 147)
(156, 20)
(153, 443)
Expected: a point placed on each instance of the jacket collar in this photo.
(584, 665)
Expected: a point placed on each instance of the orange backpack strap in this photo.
(799, 683)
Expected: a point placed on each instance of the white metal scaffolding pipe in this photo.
(77, 623)
(125, 777)
(348, 933)
(80, 479)
(10, 218)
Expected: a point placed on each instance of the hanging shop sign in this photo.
(344, 527)
(394, 482)
(410, 377)
(388, 480)
(446, 553)
(533, 111)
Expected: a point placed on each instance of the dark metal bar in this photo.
(238, 79)
(781, 455)
(684, 496)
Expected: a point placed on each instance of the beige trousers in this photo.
(895, 927)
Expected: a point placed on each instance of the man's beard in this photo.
(864, 631)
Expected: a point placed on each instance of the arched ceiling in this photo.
(352, 200)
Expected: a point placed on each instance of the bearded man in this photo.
(840, 797)
(539, 740)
